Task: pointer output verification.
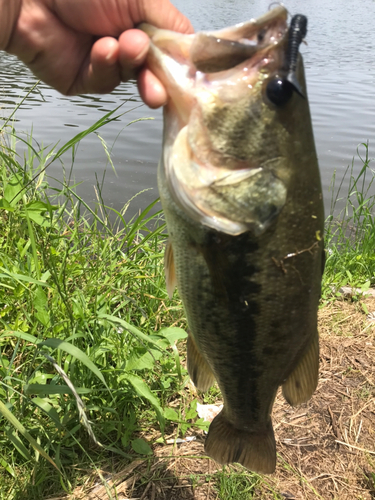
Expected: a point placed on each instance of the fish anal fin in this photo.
(169, 269)
(198, 368)
(302, 382)
(254, 450)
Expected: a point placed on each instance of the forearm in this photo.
(9, 13)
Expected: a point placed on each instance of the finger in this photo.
(151, 90)
(102, 74)
(133, 48)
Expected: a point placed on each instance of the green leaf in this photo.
(49, 409)
(31, 389)
(366, 286)
(41, 378)
(76, 352)
(5, 205)
(190, 414)
(171, 414)
(119, 452)
(132, 329)
(140, 446)
(37, 211)
(18, 444)
(43, 317)
(20, 277)
(40, 299)
(21, 429)
(13, 190)
(364, 307)
(202, 424)
(192, 411)
(20, 335)
(40, 205)
(39, 218)
(45, 276)
(173, 334)
(146, 360)
(143, 390)
(7, 467)
(40, 303)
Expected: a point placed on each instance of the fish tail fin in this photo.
(198, 368)
(302, 382)
(169, 269)
(254, 450)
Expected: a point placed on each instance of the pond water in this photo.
(340, 67)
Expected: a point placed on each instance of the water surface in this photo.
(340, 68)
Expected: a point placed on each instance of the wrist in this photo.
(9, 12)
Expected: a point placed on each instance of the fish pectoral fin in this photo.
(198, 368)
(169, 269)
(254, 450)
(302, 382)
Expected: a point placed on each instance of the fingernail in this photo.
(110, 56)
(140, 57)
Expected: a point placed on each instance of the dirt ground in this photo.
(326, 447)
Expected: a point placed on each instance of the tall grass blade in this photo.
(77, 353)
(80, 406)
(21, 429)
(143, 390)
(131, 329)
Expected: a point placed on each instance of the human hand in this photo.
(88, 46)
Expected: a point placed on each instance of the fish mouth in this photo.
(199, 71)
(212, 52)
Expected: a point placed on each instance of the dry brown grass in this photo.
(329, 442)
(325, 448)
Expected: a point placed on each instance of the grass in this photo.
(350, 228)
(85, 363)
(239, 485)
(90, 377)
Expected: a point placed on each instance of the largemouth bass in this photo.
(240, 188)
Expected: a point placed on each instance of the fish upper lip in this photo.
(214, 51)
(248, 29)
(236, 32)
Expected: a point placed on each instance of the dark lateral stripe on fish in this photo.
(233, 276)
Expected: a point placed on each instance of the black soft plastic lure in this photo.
(280, 89)
(297, 33)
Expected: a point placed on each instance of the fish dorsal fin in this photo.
(169, 269)
(302, 382)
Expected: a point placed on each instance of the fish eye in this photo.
(279, 90)
(261, 35)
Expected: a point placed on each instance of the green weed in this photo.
(85, 368)
(231, 485)
(350, 230)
